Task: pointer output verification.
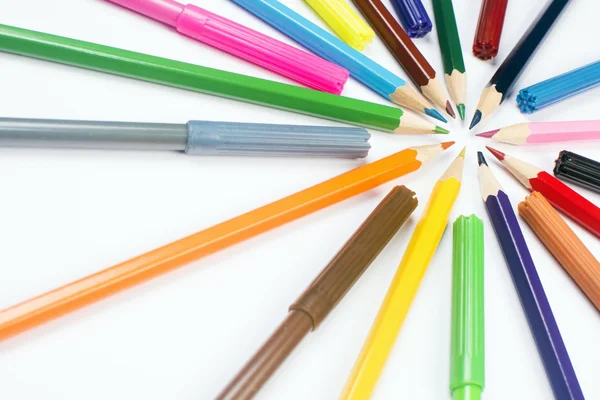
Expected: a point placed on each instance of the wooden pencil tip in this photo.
(481, 159)
(497, 153)
(488, 134)
(476, 119)
(450, 110)
(462, 153)
(446, 145)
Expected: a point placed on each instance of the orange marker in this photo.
(73, 296)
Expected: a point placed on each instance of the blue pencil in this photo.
(544, 328)
(559, 88)
(332, 49)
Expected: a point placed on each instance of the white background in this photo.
(65, 214)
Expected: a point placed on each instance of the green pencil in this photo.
(211, 81)
(454, 64)
(467, 346)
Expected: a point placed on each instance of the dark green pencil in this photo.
(211, 81)
(452, 57)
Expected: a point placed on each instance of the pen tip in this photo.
(481, 159)
(476, 119)
(445, 145)
(435, 114)
(439, 129)
(489, 134)
(450, 110)
(498, 154)
(462, 153)
(461, 111)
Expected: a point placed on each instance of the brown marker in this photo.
(406, 53)
(564, 245)
(324, 292)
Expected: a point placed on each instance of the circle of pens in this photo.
(323, 65)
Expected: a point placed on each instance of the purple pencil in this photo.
(539, 314)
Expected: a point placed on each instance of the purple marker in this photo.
(539, 314)
(413, 17)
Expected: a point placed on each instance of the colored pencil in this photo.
(564, 244)
(489, 29)
(326, 291)
(559, 88)
(467, 343)
(329, 47)
(344, 22)
(406, 53)
(538, 312)
(194, 138)
(207, 80)
(245, 43)
(66, 299)
(562, 197)
(392, 313)
(510, 70)
(452, 58)
(413, 17)
(582, 171)
(546, 132)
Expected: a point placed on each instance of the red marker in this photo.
(562, 197)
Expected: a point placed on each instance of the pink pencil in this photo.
(546, 132)
(245, 43)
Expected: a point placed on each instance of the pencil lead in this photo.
(488, 134)
(462, 152)
(498, 154)
(481, 159)
(476, 119)
(439, 129)
(450, 110)
(446, 145)
(433, 113)
(462, 109)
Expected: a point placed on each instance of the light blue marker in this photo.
(559, 88)
(194, 138)
(332, 49)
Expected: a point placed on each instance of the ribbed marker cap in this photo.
(243, 139)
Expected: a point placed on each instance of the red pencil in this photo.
(489, 29)
(562, 197)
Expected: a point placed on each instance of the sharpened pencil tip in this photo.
(439, 129)
(450, 110)
(497, 153)
(476, 119)
(462, 109)
(435, 114)
(489, 134)
(446, 145)
(462, 152)
(481, 159)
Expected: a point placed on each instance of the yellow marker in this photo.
(403, 289)
(351, 28)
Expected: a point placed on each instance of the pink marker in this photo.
(236, 39)
(546, 132)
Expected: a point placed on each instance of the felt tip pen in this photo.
(193, 138)
(245, 43)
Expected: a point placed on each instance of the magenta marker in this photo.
(245, 43)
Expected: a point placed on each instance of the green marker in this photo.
(211, 81)
(452, 57)
(467, 345)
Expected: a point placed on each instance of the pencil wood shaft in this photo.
(95, 287)
(199, 79)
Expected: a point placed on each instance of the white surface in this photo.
(65, 214)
